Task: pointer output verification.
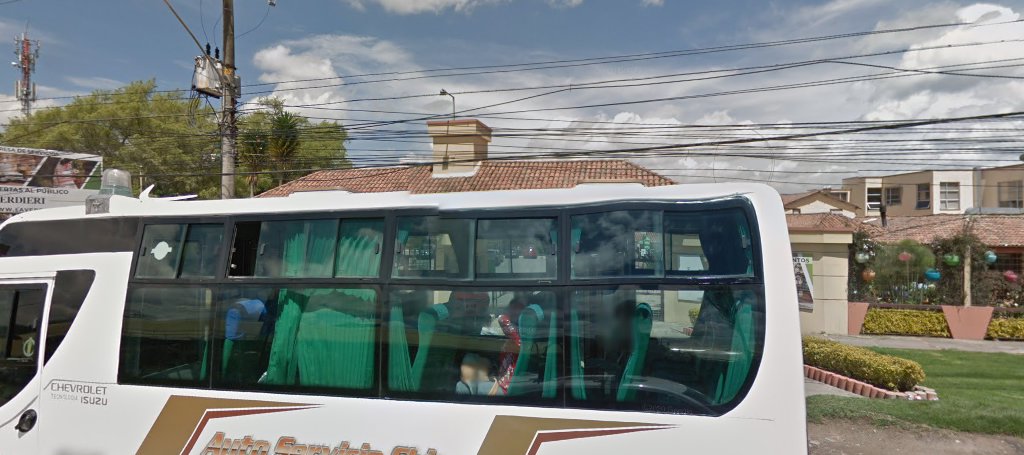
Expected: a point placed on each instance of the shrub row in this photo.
(865, 365)
(1006, 329)
(905, 322)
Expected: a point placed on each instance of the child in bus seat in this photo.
(475, 378)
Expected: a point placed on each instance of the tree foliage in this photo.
(166, 139)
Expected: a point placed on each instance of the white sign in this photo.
(32, 179)
(17, 199)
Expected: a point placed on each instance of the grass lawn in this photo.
(978, 392)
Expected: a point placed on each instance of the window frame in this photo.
(868, 196)
(1015, 186)
(944, 203)
(562, 285)
(926, 189)
(892, 196)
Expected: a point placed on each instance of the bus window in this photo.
(70, 287)
(433, 247)
(360, 247)
(165, 335)
(455, 345)
(21, 310)
(614, 244)
(517, 248)
(635, 348)
(308, 248)
(180, 250)
(297, 337)
(702, 243)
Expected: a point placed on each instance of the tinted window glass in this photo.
(165, 335)
(459, 345)
(360, 246)
(517, 248)
(173, 250)
(622, 243)
(297, 249)
(430, 246)
(708, 243)
(21, 310)
(668, 351)
(307, 337)
(69, 291)
(35, 238)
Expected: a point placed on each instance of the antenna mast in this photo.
(27, 52)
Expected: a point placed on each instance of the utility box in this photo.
(206, 79)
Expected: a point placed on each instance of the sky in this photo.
(104, 44)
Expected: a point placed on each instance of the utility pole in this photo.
(228, 125)
(24, 89)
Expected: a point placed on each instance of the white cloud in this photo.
(653, 2)
(95, 83)
(565, 3)
(422, 6)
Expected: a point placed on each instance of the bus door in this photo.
(22, 302)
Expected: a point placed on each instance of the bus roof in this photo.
(341, 200)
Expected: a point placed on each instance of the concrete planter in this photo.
(856, 312)
(967, 323)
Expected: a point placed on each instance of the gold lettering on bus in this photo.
(220, 444)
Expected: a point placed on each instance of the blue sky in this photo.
(102, 44)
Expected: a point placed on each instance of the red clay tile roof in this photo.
(788, 198)
(821, 222)
(992, 230)
(491, 176)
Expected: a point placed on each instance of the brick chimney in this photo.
(455, 143)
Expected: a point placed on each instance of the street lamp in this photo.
(447, 129)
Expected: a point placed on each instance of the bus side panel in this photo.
(81, 409)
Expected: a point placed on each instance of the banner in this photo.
(803, 269)
(32, 179)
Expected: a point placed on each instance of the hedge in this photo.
(905, 322)
(1006, 329)
(862, 364)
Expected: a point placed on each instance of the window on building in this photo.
(841, 195)
(1011, 194)
(874, 198)
(924, 196)
(893, 196)
(949, 196)
(1009, 261)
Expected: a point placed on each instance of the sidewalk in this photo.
(929, 343)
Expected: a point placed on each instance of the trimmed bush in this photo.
(1006, 329)
(884, 321)
(886, 371)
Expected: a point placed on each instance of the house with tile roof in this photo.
(460, 163)
(822, 200)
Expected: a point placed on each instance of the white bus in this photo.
(603, 319)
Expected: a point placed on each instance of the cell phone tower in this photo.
(28, 52)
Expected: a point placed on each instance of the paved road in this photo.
(812, 387)
(903, 342)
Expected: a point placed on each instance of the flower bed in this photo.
(1002, 328)
(905, 322)
(886, 371)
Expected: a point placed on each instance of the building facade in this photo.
(939, 192)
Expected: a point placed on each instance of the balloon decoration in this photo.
(990, 257)
(905, 257)
(862, 257)
(1010, 276)
(932, 275)
(868, 275)
(951, 259)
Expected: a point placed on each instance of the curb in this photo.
(867, 390)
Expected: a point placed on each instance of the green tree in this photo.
(164, 138)
(287, 145)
